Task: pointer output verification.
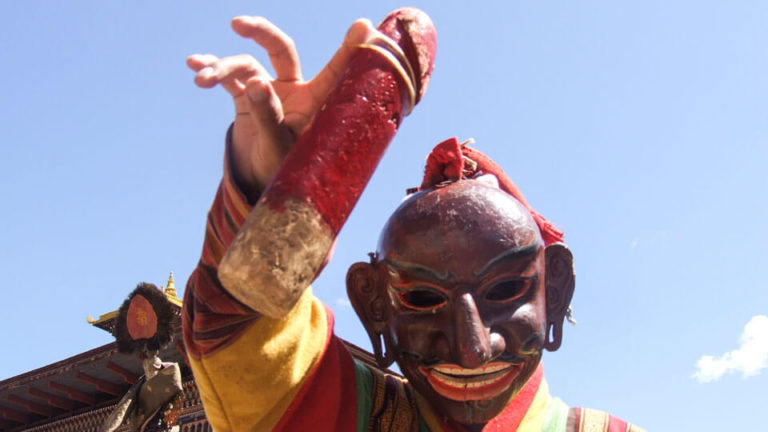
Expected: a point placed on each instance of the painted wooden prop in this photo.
(284, 242)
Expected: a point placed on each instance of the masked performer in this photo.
(145, 325)
(467, 287)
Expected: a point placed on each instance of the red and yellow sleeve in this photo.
(248, 368)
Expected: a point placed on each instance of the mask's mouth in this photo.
(461, 384)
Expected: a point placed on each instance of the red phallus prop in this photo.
(285, 240)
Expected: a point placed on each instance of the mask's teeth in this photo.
(460, 371)
(466, 382)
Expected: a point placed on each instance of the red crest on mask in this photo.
(452, 161)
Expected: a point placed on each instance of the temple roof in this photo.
(91, 380)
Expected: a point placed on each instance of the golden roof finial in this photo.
(170, 291)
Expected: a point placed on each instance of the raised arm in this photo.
(270, 112)
(249, 368)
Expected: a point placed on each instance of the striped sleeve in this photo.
(212, 317)
(251, 370)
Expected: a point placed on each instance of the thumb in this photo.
(361, 31)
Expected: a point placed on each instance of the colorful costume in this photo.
(294, 374)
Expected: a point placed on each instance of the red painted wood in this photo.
(32, 406)
(13, 415)
(335, 157)
(128, 376)
(73, 394)
(58, 402)
(101, 385)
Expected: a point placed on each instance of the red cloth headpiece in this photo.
(452, 161)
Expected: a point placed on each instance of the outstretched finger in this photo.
(360, 32)
(231, 73)
(199, 61)
(280, 47)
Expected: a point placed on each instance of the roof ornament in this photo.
(170, 289)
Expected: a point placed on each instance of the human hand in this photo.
(271, 112)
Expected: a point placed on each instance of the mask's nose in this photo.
(472, 347)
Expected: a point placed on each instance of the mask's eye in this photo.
(508, 290)
(421, 299)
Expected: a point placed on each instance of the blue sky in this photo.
(638, 127)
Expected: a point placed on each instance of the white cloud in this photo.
(749, 359)
(341, 301)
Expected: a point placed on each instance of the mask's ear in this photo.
(370, 307)
(560, 282)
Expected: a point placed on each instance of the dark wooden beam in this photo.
(101, 385)
(32, 406)
(53, 400)
(13, 415)
(128, 376)
(73, 394)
